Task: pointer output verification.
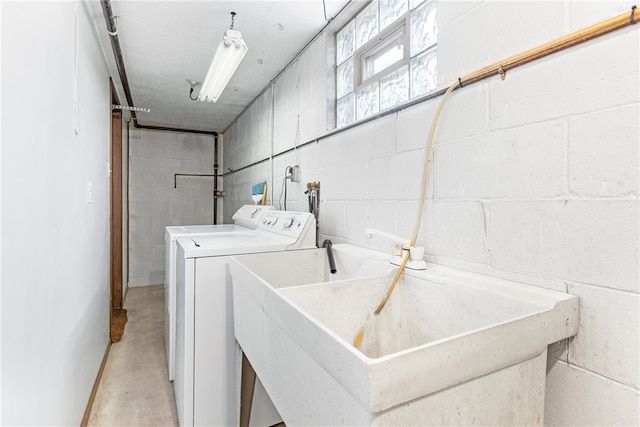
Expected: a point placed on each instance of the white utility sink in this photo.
(449, 348)
(303, 267)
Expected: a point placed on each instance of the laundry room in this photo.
(320, 212)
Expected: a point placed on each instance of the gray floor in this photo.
(135, 389)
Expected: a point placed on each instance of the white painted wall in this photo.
(534, 179)
(154, 203)
(0, 217)
(55, 245)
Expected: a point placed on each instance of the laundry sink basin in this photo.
(449, 348)
(303, 267)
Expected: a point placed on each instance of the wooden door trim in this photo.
(115, 282)
(116, 208)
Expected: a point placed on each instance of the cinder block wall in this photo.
(154, 203)
(534, 179)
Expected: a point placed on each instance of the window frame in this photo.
(380, 41)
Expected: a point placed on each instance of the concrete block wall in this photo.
(291, 111)
(251, 136)
(154, 203)
(534, 179)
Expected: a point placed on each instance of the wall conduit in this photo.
(591, 32)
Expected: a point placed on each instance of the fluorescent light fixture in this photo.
(228, 56)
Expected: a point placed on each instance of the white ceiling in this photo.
(164, 43)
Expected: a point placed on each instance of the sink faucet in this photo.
(416, 254)
(332, 262)
(370, 232)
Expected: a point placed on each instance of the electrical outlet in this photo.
(295, 175)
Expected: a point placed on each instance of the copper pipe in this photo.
(500, 68)
(596, 30)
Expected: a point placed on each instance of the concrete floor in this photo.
(135, 389)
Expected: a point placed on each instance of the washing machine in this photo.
(208, 358)
(245, 219)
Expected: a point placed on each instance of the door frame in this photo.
(115, 280)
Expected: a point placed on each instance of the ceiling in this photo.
(164, 43)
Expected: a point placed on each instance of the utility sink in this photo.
(449, 348)
(309, 266)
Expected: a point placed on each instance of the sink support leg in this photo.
(247, 385)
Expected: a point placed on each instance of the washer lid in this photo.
(178, 230)
(231, 244)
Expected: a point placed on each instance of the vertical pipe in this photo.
(271, 143)
(332, 261)
(215, 179)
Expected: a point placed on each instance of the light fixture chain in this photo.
(233, 17)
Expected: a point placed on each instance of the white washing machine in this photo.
(246, 219)
(208, 358)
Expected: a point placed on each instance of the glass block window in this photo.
(415, 3)
(344, 78)
(424, 73)
(385, 56)
(424, 27)
(367, 24)
(390, 10)
(346, 110)
(346, 42)
(367, 101)
(394, 88)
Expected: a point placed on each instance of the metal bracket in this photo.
(502, 72)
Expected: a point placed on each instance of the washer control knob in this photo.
(289, 222)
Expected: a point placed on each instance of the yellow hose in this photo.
(581, 36)
(423, 189)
